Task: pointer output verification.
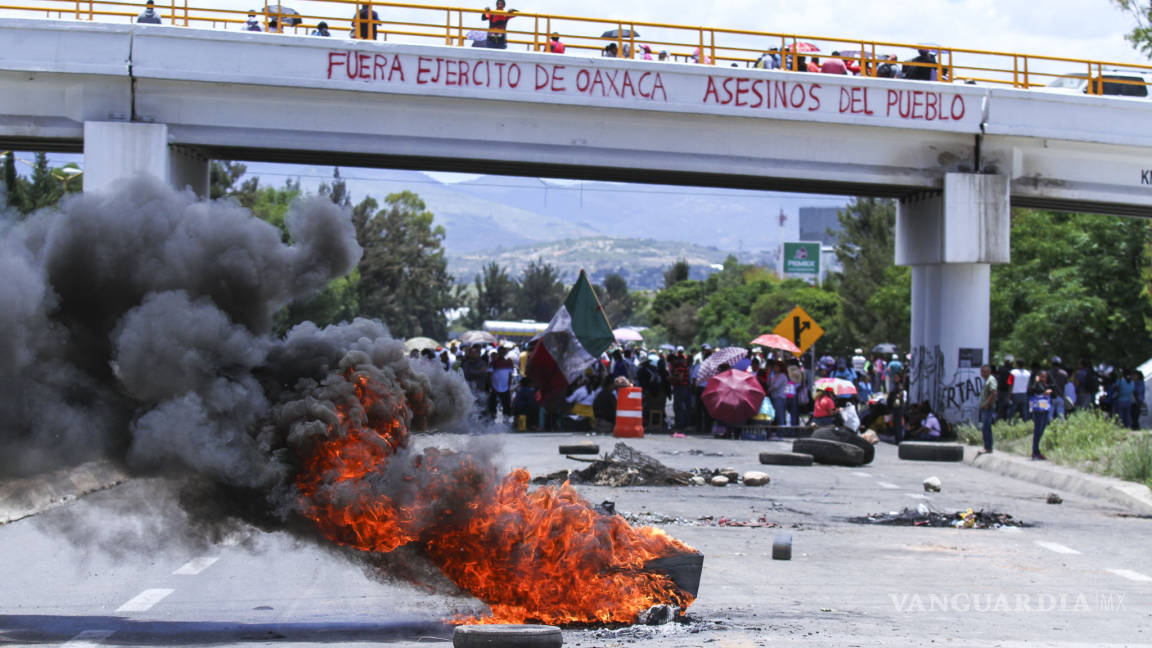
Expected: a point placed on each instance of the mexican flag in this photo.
(574, 339)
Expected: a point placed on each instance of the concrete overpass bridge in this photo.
(166, 100)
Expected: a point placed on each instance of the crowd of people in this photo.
(1034, 393)
(365, 25)
(671, 384)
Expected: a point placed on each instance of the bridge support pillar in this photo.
(950, 240)
(117, 150)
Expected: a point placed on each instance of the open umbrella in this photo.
(620, 33)
(666, 347)
(421, 343)
(773, 341)
(803, 47)
(288, 17)
(627, 335)
(727, 355)
(478, 337)
(839, 386)
(733, 396)
(885, 348)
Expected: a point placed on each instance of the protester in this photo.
(1040, 404)
(604, 405)
(1137, 398)
(1087, 384)
(1059, 379)
(988, 397)
(500, 375)
(834, 65)
(922, 67)
(679, 377)
(365, 23)
(555, 46)
(252, 24)
(524, 403)
(321, 29)
(149, 16)
(1004, 388)
(1125, 391)
(1021, 378)
(498, 25)
(825, 410)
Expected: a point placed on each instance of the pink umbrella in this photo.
(727, 355)
(839, 386)
(627, 335)
(803, 47)
(733, 396)
(773, 341)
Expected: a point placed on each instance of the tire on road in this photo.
(844, 435)
(931, 451)
(507, 636)
(580, 449)
(835, 453)
(785, 459)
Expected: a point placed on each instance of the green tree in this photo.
(1077, 286)
(1141, 34)
(615, 299)
(404, 279)
(541, 292)
(45, 186)
(496, 296)
(675, 310)
(871, 287)
(676, 273)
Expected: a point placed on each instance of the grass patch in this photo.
(1087, 440)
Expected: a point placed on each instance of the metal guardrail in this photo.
(462, 26)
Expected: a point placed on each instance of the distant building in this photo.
(815, 223)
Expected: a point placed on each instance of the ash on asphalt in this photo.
(960, 520)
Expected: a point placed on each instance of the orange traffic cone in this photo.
(629, 415)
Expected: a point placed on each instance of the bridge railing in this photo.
(464, 26)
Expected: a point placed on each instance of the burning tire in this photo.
(844, 435)
(580, 449)
(931, 451)
(785, 459)
(507, 636)
(833, 453)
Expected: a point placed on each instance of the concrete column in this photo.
(950, 240)
(117, 150)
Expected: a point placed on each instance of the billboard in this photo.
(802, 259)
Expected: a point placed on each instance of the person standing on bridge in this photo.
(149, 16)
(252, 24)
(365, 23)
(498, 25)
(555, 46)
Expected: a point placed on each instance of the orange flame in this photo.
(544, 556)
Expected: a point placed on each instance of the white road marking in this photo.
(145, 600)
(196, 565)
(861, 474)
(887, 485)
(1058, 548)
(1132, 575)
(88, 639)
(919, 496)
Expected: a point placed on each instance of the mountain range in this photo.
(601, 226)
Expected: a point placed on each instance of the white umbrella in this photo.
(627, 335)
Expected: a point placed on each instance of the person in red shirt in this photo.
(824, 412)
(834, 65)
(555, 46)
(498, 25)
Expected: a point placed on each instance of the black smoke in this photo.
(136, 327)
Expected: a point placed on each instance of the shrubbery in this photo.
(1089, 440)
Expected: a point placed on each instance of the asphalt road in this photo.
(103, 571)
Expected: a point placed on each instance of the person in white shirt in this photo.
(1020, 380)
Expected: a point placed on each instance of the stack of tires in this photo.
(836, 446)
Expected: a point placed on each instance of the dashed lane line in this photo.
(1132, 575)
(890, 486)
(196, 565)
(1058, 548)
(88, 639)
(144, 601)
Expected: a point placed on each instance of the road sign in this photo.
(799, 327)
(802, 259)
